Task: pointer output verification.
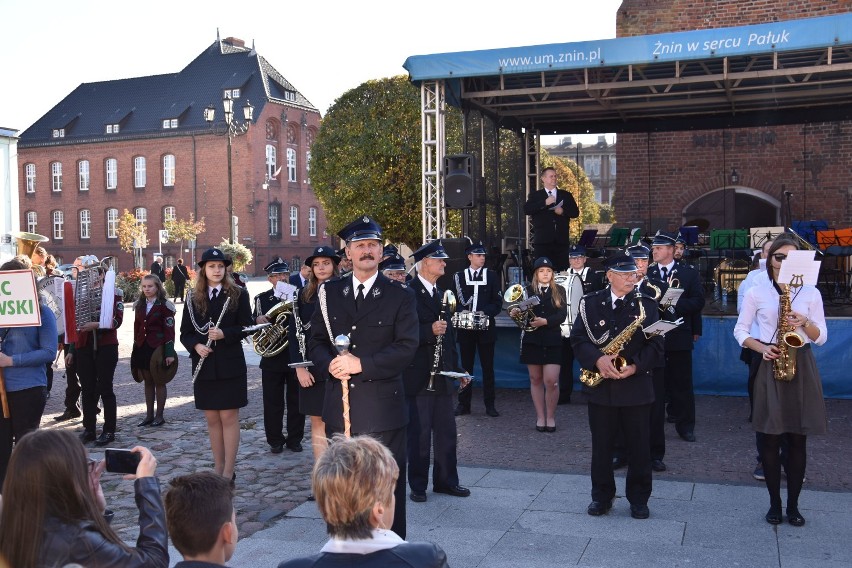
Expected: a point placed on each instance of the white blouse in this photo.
(760, 306)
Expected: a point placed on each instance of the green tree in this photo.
(181, 230)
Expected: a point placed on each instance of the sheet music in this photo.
(671, 296)
(285, 291)
(800, 263)
(661, 327)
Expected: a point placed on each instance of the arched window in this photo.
(85, 224)
(291, 165)
(294, 221)
(139, 176)
(83, 175)
(312, 221)
(30, 173)
(111, 166)
(169, 170)
(32, 222)
(58, 224)
(141, 215)
(56, 176)
(274, 219)
(271, 161)
(169, 213)
(112, 224)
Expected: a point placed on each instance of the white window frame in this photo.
(83, 175)
(111, 167)
(308, 166)
(169, 170)
(166, 123)
(139, 174)
(271, 160)
(56, 176)
(59, 133)
(612, 166)
(112, 223)
(141, 215)
(32, 222)
(294, 221)
(30, 174)
(274, 219)
(291, 164)
(312, 222)
(85, 224)
(58, 224)
(169, 213)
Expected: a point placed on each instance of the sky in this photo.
(323, 47)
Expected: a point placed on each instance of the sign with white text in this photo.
(19, 299)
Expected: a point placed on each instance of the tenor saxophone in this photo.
(592, 378)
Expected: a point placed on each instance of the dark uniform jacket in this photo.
(179, 275)
(688, 307)
(549, 335)
(227, 360)
(157, 327)
(304, 311)
(416, 376)
(548, 227)
(264, 302)
(406, 555)
(383, 334)
(597, 325)
(489, 300)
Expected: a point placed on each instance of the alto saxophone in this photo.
(789, 341)
(593, 378)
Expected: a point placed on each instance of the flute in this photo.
(210, 341)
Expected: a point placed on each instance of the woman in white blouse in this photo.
(796, 408)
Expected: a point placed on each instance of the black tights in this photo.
(796, 459)
(150, 388)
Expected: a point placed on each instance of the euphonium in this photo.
(516, 297)
(594, 378)
(272, 339)
(26, 244)
(789, 340)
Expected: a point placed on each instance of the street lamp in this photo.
(234, 129)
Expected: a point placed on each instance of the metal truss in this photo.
(433, 148)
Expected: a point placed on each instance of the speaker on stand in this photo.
(459, 171)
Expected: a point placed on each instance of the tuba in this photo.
(789, 340)
(26, 245)
(515, 297)
(272, 339)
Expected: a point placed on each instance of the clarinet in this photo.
(300, 337)
(448, 304)
(210, 341)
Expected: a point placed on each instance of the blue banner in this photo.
(781, 36)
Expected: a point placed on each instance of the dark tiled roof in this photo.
(141, 104)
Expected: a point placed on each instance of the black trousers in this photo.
(681, 396)
(431, 421)
(25, 410)
(468, 345)
(657, 432)
(72, 388)
(605, 423)
(557, 253)
(280, 391)
(395, 441)
(96, 369)
(566, 372)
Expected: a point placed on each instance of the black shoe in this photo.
(461, 410)
(455, 491)
(147, 422)
(794, 517)
(639, 511)
(618, 462)
(541, 428)
(658, 465)
(105, 438)
(598, 508)
(158, 421)
(491, 411)
(294, 447)
(88, 436)
(233, 481)
(773, 516)
(69, 414)
(277, 449)
(687, 436)
(312, 498)
(550, 429)
(417, 497)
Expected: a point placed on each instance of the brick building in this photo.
(734, 177)
(597, 160)
(143, 144)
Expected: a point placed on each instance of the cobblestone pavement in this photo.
(270, 485)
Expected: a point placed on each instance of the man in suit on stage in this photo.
(380, 318)
(679, 341)
(431, 410)
(550, 210)
(478, 290)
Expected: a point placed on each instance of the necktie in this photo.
(619, 303)
(359, 297)
(476, 275)
(214, 294)
(544, 289)
(665, 272)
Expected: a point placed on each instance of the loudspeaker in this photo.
(458, 181)
(456, 262)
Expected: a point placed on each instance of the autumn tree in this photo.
(182, 230)
(239, 254)
(132, 235)
(571, 177)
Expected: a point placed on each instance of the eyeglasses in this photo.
(779, 257)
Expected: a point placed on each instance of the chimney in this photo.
(566, 141)
(235, 41)
(602, 140)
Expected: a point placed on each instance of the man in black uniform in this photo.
(679, 341)
(280, 386)
(550, 210)
(157, 268)
(380, 318)
(622, 401)
(478, 290)
(430, 397)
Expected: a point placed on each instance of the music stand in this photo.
(759, 235)
(834, 237)
(587, 239)
(807, 229)
(618, 237)
(689, 233)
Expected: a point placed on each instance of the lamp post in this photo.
(234, 129)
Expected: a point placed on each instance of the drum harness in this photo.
(471, 303)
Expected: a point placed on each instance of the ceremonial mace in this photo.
(341, 342)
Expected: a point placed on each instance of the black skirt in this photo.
(140, 357)
(224, 394)
(534, 354)
(311, 398)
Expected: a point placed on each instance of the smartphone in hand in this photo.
(121, 461)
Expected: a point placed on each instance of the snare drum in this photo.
(473, 321)
(573, 286)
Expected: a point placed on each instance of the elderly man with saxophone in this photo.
(428, 393)
(618, 360)
(280, 387)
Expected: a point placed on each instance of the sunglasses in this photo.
(779, 257)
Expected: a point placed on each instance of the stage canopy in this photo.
(794, 71)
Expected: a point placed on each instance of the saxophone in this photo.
(593, 378)
(784, 367)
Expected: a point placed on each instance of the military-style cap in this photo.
(620, 263)
(214, 254)
(324, 251)
(663, 239)
(390, 250)
(475, 248)
(680, 239)
(342, 253)
(435, 249)
(272, 263)
(279, 268)
(361, 229)
(638, 251)
(542, 261)
(394, 262)
(577, 250)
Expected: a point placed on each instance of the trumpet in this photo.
(516, 299)
(448, 304)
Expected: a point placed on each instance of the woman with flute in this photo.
(214, 316)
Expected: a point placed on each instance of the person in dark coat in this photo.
(681, 340)
(430, 396)
(301, 278)
(221, 385)
(380, 318)
(157, 268)
(180, 276)
(622, 401)
(478, 290)
(550, 210)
